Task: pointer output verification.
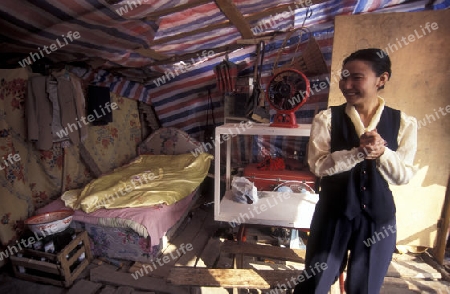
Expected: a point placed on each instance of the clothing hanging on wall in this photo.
(54, 106)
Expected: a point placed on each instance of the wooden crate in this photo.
(56, 269)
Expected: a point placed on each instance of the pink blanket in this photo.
(151, 221)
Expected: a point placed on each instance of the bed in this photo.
(139, 233)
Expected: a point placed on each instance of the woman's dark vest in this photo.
(362, 188)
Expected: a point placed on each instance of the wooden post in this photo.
(443, 226)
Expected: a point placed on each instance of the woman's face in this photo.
(360, 85)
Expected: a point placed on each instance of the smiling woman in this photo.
(355, 200)
(365, 79)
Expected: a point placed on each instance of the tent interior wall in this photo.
(156, 57)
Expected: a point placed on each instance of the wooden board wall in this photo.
(420, 86)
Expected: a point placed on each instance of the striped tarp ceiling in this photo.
(143, 37)
(136, 33)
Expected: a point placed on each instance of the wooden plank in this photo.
(268, 251)
(124, 290)
(34, 278)
(115, 262)
(401, 269)
(151, 53)
(186, 236)
(106, 275)
(210, 254)
(85, 287)
(209, 258)
(108, 290)
(87, 246)
(36, 253)
(29, 263)
(136, 267)
(231, 278)
(211, 290)
(396, 282)
(71, 277)
(443, 227)
(71, 260)
(126, 266)
(428, 258)
(85, 272)
(408, 286)
(81, 237)
(255, 41)
(188, 56)
(191, 257)
(235, 16)
(199, 241)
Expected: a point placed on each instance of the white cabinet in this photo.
(290, 210)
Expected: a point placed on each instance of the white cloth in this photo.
(395, 166)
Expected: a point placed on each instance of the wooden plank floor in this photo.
(206, 247)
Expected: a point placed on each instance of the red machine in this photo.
(266, 179)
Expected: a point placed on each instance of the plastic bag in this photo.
(244, 191)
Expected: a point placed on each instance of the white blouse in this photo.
(395, 166)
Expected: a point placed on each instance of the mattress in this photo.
(137, 234)
(151, 221)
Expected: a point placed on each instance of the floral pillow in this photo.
(168, 141)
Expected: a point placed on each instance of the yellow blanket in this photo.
(148, 180)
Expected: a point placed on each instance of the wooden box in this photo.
(55, 269)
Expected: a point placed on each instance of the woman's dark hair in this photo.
(379, 60)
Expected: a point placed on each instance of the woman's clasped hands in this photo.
(372, 144)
